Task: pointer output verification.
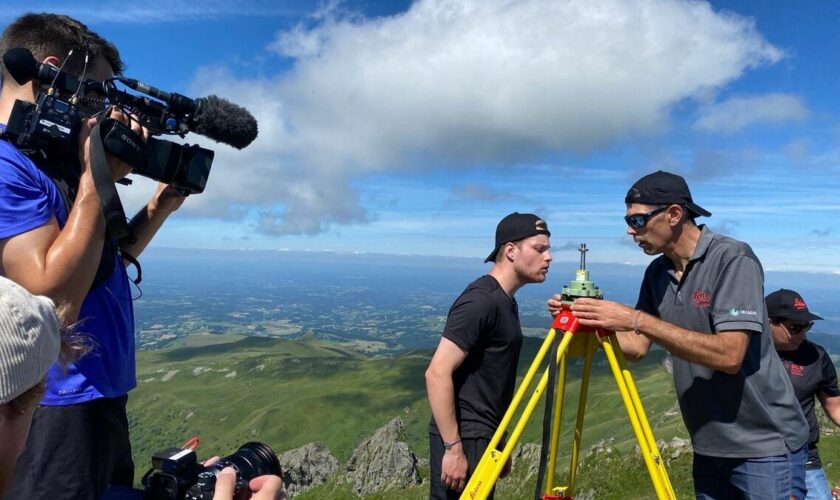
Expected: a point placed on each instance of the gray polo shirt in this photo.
(753, 413)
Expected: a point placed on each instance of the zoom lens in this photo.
(252, 460)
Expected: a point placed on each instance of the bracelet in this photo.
(636, 322)
(448, 446)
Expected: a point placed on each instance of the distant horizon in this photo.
(394, 301)
(473, 259)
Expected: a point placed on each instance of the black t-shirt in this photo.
(811, 372)
(484, 321)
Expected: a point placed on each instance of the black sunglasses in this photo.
(798, 328)
(638, 221)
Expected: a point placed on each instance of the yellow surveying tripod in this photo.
(581, 341)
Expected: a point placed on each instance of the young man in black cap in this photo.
(811, 372)
(702, 300)
(471, 378)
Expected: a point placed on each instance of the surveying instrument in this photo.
(579, 341)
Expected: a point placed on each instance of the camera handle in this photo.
(123, 143)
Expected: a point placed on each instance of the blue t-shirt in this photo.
(29, 199)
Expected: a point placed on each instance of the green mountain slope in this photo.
(229, 390)
(285, 393)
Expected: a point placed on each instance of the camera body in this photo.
(49, 123)
(176, 473)
(52, 124)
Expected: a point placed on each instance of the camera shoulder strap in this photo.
(116, 224)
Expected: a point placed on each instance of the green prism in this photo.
(581, 286)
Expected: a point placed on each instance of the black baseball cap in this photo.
(515, 227)
(787, 304)
(664, 188)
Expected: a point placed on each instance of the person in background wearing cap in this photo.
(702, 300)
(811, 372)
(471, 377)
(29, 344)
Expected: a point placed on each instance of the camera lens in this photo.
(251, 460)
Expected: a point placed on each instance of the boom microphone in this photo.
(224, 121)
(21, 64)
(211, 116)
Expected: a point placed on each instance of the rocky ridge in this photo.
(381, 462)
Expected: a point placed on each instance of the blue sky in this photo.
(413, 127)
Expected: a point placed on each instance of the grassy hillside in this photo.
(285, 393)
(229, 390)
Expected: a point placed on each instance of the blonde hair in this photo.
(74, 344)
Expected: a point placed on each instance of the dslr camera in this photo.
(176, 473)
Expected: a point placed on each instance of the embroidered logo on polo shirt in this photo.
(799, 304)
(742, 312)
(701, 298)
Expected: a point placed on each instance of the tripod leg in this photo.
(523, 387)
(643, 421)
(550, 397)
(589, 352)
(555, 428)
(638, 420)
(490, 466)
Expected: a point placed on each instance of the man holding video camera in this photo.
(53, 242)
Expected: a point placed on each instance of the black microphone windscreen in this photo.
(224, 121)
(21, 64)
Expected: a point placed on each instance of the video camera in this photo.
(176, 473)
(52, 123)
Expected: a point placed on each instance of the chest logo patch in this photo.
(797, 370)
(701, 298)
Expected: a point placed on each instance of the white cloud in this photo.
(702, 164)
(799, 151)
(451, 83)
(738, 113)
(728, 227)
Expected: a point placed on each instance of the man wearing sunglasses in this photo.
(702, 300)
(811, 372)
